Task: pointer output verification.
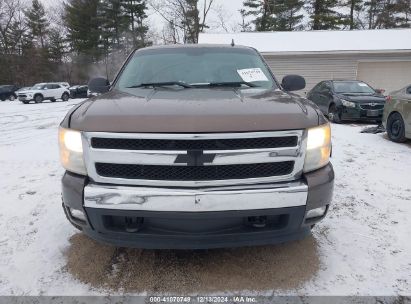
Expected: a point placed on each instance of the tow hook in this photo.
(257, 221)
(133, 224)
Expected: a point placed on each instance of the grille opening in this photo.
(372, 107)
(183, 225)
(203, 144)
(194, 173)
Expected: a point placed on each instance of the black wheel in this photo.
(396, 128)
(38, 99)
(333, 114)
(65, 97)
(12, 98)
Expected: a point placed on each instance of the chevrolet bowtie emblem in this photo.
(195, 158)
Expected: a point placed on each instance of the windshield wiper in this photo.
(229, 84)
(162, 84)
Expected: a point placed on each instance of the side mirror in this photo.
(293, 83)
(99, 85)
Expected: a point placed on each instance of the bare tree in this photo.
(187, 17)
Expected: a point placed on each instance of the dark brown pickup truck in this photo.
(196, 147)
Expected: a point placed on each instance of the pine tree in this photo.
(135, 11)
(404, 13)
(287, 15)
(324, 15)
(355, 8)
(262, 11)
(37, 22)
(388, 13)
(84, 31)
(113, 22)
(56, 47)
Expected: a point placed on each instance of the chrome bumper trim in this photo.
(190, 200)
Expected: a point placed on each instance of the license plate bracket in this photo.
(373, 113)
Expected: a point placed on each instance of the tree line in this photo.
(81, 38)
(290, 15)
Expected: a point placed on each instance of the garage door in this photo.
(390, 76)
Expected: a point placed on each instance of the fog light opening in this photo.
(317, 212)
(78, 215)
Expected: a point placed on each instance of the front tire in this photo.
(396, 128)
(65, 97)
(333, 114)
(38, 99)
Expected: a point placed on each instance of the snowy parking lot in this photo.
(362, 248)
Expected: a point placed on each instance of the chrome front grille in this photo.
(201, 144)
(194, 173)
(194, 160)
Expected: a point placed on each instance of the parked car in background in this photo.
(8, 92)
(44, 91)
(348, 100)
(91, 93)
(79, 91)
(397, 115)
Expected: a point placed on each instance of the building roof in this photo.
(391, 40)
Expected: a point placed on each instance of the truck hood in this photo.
(198, 110)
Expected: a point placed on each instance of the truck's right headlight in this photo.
(71, 151)
(318, 147)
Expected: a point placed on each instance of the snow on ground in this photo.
(363, 245)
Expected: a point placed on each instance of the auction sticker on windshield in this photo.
(251, 75)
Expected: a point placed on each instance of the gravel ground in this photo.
(361, 248)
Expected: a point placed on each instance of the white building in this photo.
(381, 58)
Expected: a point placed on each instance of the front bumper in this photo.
(195, 219)
(360, 114)
(27, 98)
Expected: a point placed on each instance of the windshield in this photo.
(197, 67)
(352, 87)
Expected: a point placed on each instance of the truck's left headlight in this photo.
(318, 147)
(71, 151)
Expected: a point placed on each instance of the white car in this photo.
(44, 91)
